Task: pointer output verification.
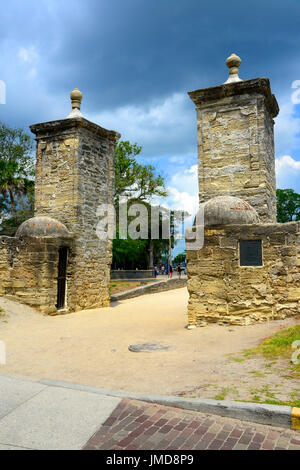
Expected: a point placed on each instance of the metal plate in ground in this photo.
(148, 347)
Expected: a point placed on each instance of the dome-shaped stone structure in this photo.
(42, 226)
(227, 210)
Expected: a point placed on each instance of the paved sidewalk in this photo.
(135, 425)
(37, 415)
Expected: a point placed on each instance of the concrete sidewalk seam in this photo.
(274, 415)
(24, 402)
(56, 418)
(15, 445)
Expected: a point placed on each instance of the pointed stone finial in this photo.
(76, 97)
(233, 62)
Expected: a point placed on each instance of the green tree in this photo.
(180, 258)
(130, 254)
(288, 205)
(140, 253)
(16, 178)
(133, 180)
(135, 183)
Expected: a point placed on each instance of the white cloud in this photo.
(287, 128)
(287, 140)
(287, 161)
(28, 54)
(287, 173)
(296, 94)
(182, 193)
(164, 127)
(186, 180)
(182, 200)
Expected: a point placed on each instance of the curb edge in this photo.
(274, 415)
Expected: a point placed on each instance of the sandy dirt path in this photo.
(91, 347)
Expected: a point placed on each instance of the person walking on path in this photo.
(170, 271)
(179, 269)
(155, 272)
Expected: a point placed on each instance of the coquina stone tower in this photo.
(236, 142)
(74, 176)
(246, 267)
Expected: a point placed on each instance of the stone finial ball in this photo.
(76, 95)
(233, 61)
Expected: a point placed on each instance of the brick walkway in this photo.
(135, 425)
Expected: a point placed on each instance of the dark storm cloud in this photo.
(131, 51)
(124, 53)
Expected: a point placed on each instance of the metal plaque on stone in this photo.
(250, 253)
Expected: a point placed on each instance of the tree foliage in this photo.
(132, 179)
(16, 178)
(288, 205)
(129, 253)
(180, 258)
(136, 183)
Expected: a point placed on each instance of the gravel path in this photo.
(91, 347)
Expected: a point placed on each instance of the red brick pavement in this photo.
(136, 425)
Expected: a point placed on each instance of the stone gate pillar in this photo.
(246, 267)
(74, 175)
(236, 142)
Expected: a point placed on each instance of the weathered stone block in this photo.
(245, 295)
(235, 130)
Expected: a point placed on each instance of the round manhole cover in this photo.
(148, 347)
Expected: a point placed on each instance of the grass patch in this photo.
(294, 400)
(118, 286)
(256, 398)
(292, 403)
(221, 395)
(237, 359)
(3, 315)
(280, 344)
(257, 373)
(269, 365)
(265, 390)
(224, 392)
(265, 395)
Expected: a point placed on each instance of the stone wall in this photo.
(222, 291)
(28, 270)
(236, 143)
(74, 175)
(131, 274)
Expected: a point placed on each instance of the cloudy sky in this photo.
(135, 60)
